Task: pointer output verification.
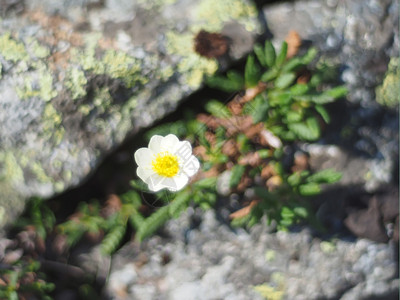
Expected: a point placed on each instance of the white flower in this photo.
(166, 163)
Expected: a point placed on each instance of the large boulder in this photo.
(78, 77)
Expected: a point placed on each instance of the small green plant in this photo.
(277, 102)
(22, 280)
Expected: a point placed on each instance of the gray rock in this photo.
(78, 77)
(222, 264)
(360, 38)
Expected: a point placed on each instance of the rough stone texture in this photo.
(215, 262)
(359, 38)
(78, 77)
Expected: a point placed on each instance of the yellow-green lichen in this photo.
(38, 50)
(9, 167)
(192, 66)
(39, 172)
(102, 100)
(388, 93)
(165, 73)
(274, 290)
(12, 50)
(327, 247)
(113, 63)
(59, 186)
(270, 255)
(46, 86)
(211, 15)
(51, 124)
(120, 65)
(41, 87)
(76, 83)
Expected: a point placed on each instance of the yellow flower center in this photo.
(165, 164)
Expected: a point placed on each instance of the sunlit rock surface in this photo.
(78, 77)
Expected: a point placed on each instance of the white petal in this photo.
(144, 173)
(180, 181)
(169, 142)
(155, 143)
(143, 157)
(183, 150)
(155, 182)
(191, 166)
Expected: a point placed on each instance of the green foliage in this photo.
(236, 176)
(217, 109)
(24, 281)
(292, 109)
(39, 215)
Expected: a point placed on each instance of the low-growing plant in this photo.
(245, 146)
(277, 102)
(22, 280)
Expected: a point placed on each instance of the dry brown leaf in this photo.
(253, 159)
(230, 148)
(244, 183)
(254, 130)
(201, 151)
(294, 42)
(273, 182)
(243, 211)
(113, 205)
(267, 172)
(300, 162)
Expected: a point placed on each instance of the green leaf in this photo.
(264, 153)
(299, 89)
(251, 72)
(112, 240)
(236, 78)
(180, 202)
(279, 98)
(309, 189)
(293, 65)
(287, 213)
(236, 175)
(282, 55)
(293, 116)
(309, 131)
(136, 220)
(132, 197)
(206, 183)
(257, 109)
(225, 84)
(337, 92)
(301, 212)
(259, 51)
(285, 80)
(323, 113)
(309, 56)
(269, 75)
(294, 179)
(270, 54)
(325, 176)
(330, 95)
(153, 223)
(217, 109)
